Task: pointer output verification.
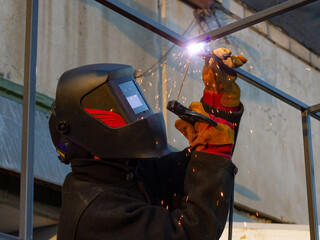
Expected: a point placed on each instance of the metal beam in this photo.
(268, 88)
(310, 180)
(182, 42)
(144, 21)
(250, 20)
(29, 103)
(315, 108)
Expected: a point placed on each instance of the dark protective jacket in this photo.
(184, 195)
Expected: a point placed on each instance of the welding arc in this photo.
(184, 76)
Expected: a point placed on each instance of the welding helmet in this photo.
(100, 110)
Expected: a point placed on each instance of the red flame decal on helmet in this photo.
(112, 119)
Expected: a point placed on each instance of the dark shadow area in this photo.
(242, 190)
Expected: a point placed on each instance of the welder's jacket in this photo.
(181, 196)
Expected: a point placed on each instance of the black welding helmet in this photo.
(100, 109)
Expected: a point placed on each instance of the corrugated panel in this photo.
(47, 166)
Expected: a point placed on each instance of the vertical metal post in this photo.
(29, 102)
(311, 190)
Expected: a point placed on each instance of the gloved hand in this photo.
(215, 140)
(221, 90)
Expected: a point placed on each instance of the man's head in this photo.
(100, 110)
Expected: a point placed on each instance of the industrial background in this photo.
(270, 185)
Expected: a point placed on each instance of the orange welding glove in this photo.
(206, 138)
(221, 90)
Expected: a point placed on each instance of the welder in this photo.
(125, 182)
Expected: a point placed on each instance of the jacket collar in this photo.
(102, 171)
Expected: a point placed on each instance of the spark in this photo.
(221, 194)
(270, 124)
(195, 48)
(251, 131)
(308, 69)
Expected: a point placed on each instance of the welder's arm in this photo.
(209, 179)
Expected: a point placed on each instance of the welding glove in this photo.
(206, 138)
(221, 90)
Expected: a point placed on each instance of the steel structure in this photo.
(26, 192)
(29, 107)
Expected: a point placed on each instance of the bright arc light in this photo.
(195, 48)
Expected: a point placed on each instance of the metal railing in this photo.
(27, 156)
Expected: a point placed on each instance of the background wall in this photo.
(269, 151)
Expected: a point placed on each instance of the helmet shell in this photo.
(97, 86)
